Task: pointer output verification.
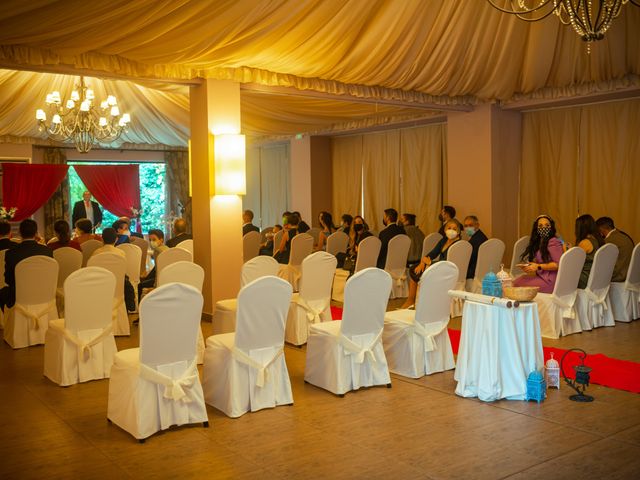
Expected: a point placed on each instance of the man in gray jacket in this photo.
(621, 240)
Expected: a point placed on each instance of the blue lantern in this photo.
(491, 285)
(536, 387)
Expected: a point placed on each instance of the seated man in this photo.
(109, 237)
(29, 247)
(447, 213)
(179, 232)
(476, 238)
(5, 236)
(247, 223)
(156, 242)
(84, 230)
(416, 236)
(625, 245)
(391, 229)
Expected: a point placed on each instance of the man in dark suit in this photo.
(86, 208)
(476, 238)
(247, 223)
(179, 232)
(391, 229)
(621, 240)
(25, 249)
(5, 236)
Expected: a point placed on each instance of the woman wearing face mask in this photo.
(358, 231)
(541, 256)
(439, 252)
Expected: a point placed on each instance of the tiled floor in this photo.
(417, 429)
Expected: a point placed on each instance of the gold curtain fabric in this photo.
(346, 157)
(274, 183)
(252, 201)
(57, 207)
(177, 164)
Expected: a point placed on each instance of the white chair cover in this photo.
(172, 255)
(118, 266)
(88, 248)
(593, 306)
(133, 254)
(396, 265)
(246, 370)
(80, 347)
(312, 304)
(429, 242)
(69, 260)
(557, 310)
(157, 385)
(187, 245)
(277, 239)
(416, 342)
(459, 254)
(625, 296)
(315, 233)
(224, 317)
(518, 249)
(368, 251)
(490, 256)
(250, 245)
(27, 321)
(143, 245)
(347, 354)
(301, 248)
(337, 243)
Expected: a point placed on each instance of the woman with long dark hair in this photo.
(541, 256)
(588, 239)
(326, 224)
(63, 236)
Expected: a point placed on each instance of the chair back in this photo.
(36, 280)
(262, 312)
(187, 245)
(397, 254)
(433, 303)
(318, 270)
(2, 284)
(258, 267)
(315, 233)
(368, 251)
(250, 245)
(134, 255)
(88, 299)
(182, 272)
(88, 248)
(337, 243)
(366, 295)
(144, 248)
(602, 269)
(277, 239)
(264, 232)
(459, 254)
(429, 242)
(116, 264)
(172, 255)
(569, 269)
(490, 256)
(69, 260)
(169, 323)
(518, 249)
(301, 248)
(633, 274)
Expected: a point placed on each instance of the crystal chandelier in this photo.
(80, 121)
(589, 18)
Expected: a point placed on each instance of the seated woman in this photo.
(63, 236)
(541, 256)
(266, 248)
(358, 231)
(439, 252)
(290, 231)
(588, 239)
(326, 224)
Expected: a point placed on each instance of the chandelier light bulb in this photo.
(75, 96)
(104, 105)
(49, 99)
(111, 100)
(40, 115)
(102, 122)
(56, 119)
(89, 94)
(85, 105)
(121, 122)
(70, 104)
(55, 97)
(126, 118)
(115, 111)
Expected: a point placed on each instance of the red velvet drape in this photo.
(115, 187)
(28, 187)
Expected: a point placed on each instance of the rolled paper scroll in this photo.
(486, 299)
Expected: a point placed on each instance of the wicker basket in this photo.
(520, 294)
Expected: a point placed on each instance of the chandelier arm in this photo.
(542, 4)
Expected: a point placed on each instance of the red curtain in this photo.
(28, 187)
(115, 187)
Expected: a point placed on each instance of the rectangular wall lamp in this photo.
(230, 165)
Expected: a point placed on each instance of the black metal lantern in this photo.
(581, 382)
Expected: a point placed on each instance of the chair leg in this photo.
(205, 424)
(388, 385)
(341, 395)
(142, 440)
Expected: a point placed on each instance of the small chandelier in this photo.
(589, 18)
(80, 121)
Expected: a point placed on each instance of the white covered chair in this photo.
(117, 265)
(157, 385)
(69, 260)
(134, 257)
(368, 251)
(188, 273)
(518, 249)
(277, 239)
(88, 248)
(315, 233)
(625, 296)
(301, 248)
(224, 317)
(347, 354)
(250, 245)
(337, 242)
(396, 265)
(459, 254)
(246, 370)
(429, 242)
(170, 256)
(490, 256)
(27, 321)
(416, 342)
(187, 245)
(143, 245)
(593, 306)
(557, 310)
(312, 303)
(80, 347)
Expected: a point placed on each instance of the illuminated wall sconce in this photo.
(230, 166)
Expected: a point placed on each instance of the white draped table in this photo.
(499, 348)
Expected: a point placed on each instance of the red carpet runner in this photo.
(607, 371)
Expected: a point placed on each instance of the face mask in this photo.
(358, 227)
(451, 234)
(470, 230)
(154, 244)
(544, 232)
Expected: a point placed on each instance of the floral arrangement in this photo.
(7, 213)
(136, 212)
